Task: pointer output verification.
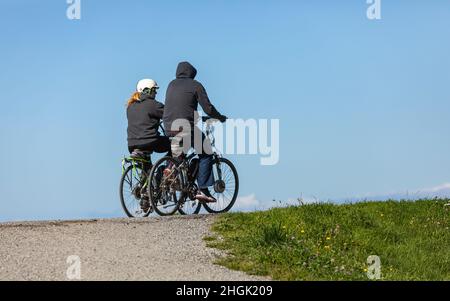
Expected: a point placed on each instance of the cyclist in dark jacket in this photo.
(182, 98)
(144, 114)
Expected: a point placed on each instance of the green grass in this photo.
(333, 242)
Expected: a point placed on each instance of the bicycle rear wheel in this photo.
(226, 187)
(166, 186)
(131, 184)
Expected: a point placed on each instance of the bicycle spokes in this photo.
(166, 189)
(134, 199)
(225, 188)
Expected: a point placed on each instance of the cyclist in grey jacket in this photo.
(182, 98)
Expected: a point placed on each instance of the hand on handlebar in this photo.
(222, 118)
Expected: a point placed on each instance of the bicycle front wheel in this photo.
(165, 187)
(226, 187)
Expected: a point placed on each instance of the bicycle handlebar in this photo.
(209, 119)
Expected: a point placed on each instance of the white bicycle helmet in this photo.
(146, 84)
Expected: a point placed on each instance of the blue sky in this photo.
(363, 105)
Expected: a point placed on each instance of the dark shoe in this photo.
(139, 154)
(145, 205)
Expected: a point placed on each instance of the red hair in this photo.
(133, 98)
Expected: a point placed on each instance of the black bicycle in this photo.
(172, 182)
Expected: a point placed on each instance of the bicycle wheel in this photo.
(133, 202)
(190, 207)
(226, 187)
(166, 186)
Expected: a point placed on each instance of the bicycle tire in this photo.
(208, 207)
(121, 193)
(151, 191)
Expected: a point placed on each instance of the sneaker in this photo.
(139, 154)
(203, 195)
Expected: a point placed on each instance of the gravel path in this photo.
(121, 249)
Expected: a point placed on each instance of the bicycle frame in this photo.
(135, 162)
(209, 132)
(184, 165)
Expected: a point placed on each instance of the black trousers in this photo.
(160, 145)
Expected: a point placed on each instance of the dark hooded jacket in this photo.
(183, 96)
(143, 120)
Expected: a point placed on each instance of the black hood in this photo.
(186, 70)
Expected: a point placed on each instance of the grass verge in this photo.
(333, 242)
